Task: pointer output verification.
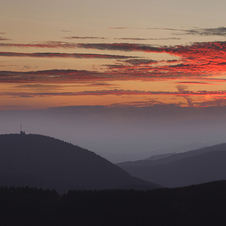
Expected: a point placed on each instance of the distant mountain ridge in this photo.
(41, 161)
(160, 156)
(182, 169)
(171, 157)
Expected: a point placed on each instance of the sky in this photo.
(125, 79)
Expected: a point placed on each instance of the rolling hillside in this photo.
(40, 161)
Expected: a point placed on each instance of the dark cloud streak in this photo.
(147, 39)
(181, 92)
(220, 31)
(50, 76)
(79, 37)
(118, 28)
(63, 55)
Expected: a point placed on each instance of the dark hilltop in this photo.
(48, 163)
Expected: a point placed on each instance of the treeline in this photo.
(195, 205)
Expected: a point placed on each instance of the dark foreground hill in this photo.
(183, 169)
(195, 205)
(40, 161)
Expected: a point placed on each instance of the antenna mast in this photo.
(21, 131)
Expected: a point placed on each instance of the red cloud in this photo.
(196, 60)
(199, 59)
(3, 39)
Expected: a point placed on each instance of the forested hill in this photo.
(195, 205)
(41, 161)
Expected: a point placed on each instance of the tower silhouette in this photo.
(21, 131)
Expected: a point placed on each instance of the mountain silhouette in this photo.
(183, 169)
(45, 162)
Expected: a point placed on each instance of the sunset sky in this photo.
(112, 54)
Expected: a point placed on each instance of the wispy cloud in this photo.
(63, 55)
(147, 39)
(219, 31)
(140, 104)
(132, 65)
(181, 92)
(118, 28)
(50, 44)
(119, 47)
(179, 50)
(79, 37)
(100, 84)
(3, 39)
(147, 28)
(195, 82)
(39, 87)
(141, 61)
(220, 101)
(66, 31)
(51, 76)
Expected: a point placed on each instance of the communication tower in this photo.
(21, 131)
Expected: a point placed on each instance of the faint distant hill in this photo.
(182, 169)
(161, 156)
(40, 161)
